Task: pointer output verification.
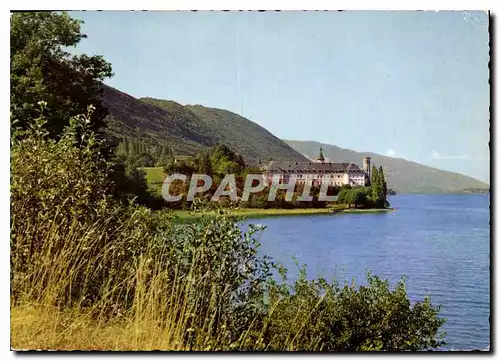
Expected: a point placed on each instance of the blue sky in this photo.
(406, 84)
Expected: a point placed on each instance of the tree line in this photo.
(221, 160)
(138, 153)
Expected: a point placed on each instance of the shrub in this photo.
(328, 317)
(64, 179)
(64, 215)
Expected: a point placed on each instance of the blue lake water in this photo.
(441, 243)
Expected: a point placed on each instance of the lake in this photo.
(441, 243)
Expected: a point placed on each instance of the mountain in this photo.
(402, 175)
(192, 128)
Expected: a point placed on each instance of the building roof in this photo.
(311, 167)
(182, 158)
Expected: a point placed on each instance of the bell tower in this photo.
(367, 166)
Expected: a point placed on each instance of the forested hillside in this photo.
(189, 129)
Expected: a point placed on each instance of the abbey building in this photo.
(319, 172)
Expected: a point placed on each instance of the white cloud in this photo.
(437, 155)
(391, 153)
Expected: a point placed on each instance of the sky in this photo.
(406, 84)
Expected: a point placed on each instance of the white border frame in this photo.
(492, 5)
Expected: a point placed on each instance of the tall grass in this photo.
(78, 281)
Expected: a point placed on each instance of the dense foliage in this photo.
(221, 160)
(335, 317)
(42, 69)
(374, 196)
(136, 153)
(215, 162)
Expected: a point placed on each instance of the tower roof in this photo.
(320, 157)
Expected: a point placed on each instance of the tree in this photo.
(359, 197)
(121, 150)
(143, 148)
(204, 164)
(164, 156)
(225, 161)
(41, 70)
(342, 196)
(240, 161)
(126, 146)
(144, 160)
(180, 168)
(384, 187)
(347, 196)
(376, 185)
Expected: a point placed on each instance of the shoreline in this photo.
(253, 213)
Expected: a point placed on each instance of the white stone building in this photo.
(319, 172)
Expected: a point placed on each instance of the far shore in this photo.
(187, 215)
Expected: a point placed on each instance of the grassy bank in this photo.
(47, 328)
(187, 215)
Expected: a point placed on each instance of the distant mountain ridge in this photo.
(402, 175)
(192, 128)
